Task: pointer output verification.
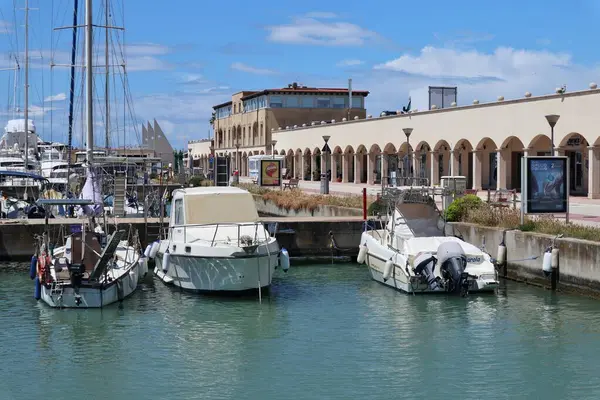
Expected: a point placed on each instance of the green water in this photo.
(326, 332)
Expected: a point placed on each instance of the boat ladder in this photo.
(56, 290)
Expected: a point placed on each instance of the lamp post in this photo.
(237, 155)
(324, 178)
(407, 132)
(552, 120)
(273, 143)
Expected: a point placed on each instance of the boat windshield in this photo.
(417, 220)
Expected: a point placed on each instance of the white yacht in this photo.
(412, 253)
(215, 242)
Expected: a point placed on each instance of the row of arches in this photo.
(485, 164)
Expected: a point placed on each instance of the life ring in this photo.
(42, 269)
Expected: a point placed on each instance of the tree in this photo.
(213, 118)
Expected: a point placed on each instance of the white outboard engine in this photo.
(424, 266)
(452, 260)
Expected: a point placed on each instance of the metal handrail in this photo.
(239, 225)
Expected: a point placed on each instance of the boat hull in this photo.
(223, 274)
(65, 296)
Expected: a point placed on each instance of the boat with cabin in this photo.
(412, 253)
(216, 243)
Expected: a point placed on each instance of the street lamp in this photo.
(552, 120)
(324, 178)
(273, 143)
(237, 155)
(407, 132)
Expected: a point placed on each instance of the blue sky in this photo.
(184, 56)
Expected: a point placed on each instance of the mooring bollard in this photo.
(501, 260)
(555, 270)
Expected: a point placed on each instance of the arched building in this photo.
(484, 142)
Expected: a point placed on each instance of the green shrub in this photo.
(376, 207)
(457, 211)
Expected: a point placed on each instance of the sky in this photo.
(184, 56)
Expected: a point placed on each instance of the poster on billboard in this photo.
(270, 172)
(546, 185)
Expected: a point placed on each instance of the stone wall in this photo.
(266, 207)
(579, 260)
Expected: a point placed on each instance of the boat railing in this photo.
(241, 240)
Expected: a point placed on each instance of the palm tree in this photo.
(213, 118)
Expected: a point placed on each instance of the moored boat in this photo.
(216, 243)
(412, 253)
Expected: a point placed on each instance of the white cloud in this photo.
(321, 14)
(311, 30)
(350, 63)
(484, 76)
(56, 97)
(146, 49)
(238, 66)
(146, 63)
(503, 63)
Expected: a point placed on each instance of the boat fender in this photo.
(147, 251)
(547, 263)
(154, 249)
(362, 254)
(554, 263)
(165, 261)
(387, 270)
(37, 290)
(33, 267)
(501, 254)
(284, 260)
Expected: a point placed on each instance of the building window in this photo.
(262, 101)
(291, 101)
(357, 102)
(178, 217)
(307, 101)
(323, 102)
(275, 102)
(339, 102)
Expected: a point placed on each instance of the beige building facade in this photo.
(483, 142)
(245, 125)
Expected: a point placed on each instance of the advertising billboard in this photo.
(270, 172)
(546, 185)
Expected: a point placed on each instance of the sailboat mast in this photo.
(106, 99)
(26, 85)
(72, 87)
(89, 146)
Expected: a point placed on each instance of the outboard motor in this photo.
(425, 264)
(453, 261)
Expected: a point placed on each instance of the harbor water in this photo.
(325, 332)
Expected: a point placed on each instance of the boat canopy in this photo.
(217, 205)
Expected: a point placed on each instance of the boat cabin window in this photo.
(178, 214)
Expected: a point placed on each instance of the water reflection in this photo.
(325, 332)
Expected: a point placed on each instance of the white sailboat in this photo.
(412, 253)
(90, 269)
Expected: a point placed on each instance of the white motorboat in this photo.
(412, 253)
(215, 242)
